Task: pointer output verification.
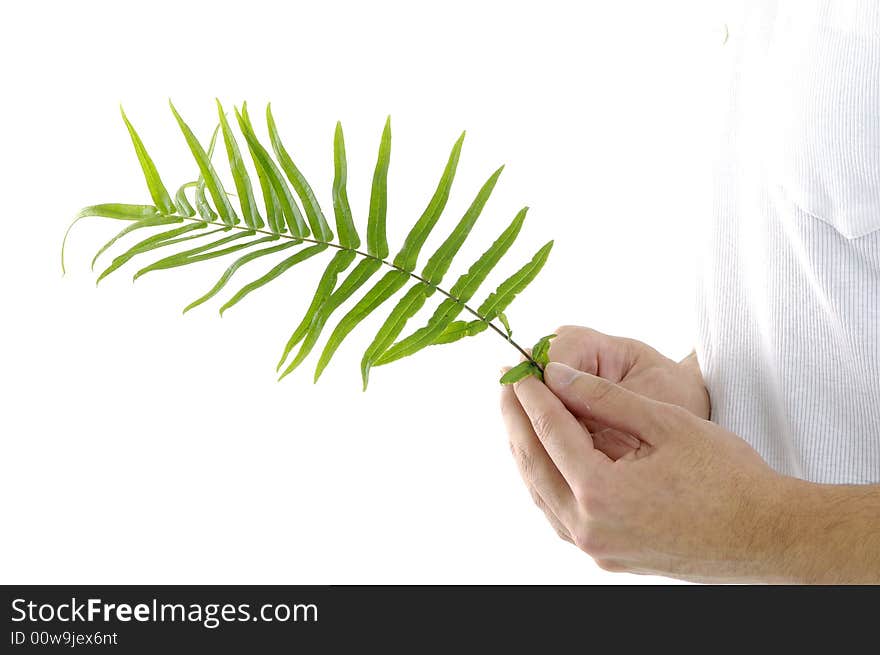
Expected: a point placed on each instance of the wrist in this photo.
(791, 531)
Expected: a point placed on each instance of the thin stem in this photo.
(367, 255)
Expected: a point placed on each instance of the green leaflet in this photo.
(276, 270)
(137, 225)
(341, 261)
(503, 318)
(459, 330)
(390, 284)
(212, 180)
(461, 292)
(273, 207)
(238, 263)
(184, 259)
(354, 281)
(498, 300)
(520, 371)
(541, 350)
(412, 245)
(158, 192)
(348, 236)
(182, 202)
(202, 205)
(406, 308)
(240, 175)
(150, 243)
(377, 240)
(119, 211)
(440, 261)
(313, 211)
(289, 208)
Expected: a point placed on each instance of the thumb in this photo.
(608, 403)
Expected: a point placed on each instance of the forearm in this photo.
(825, 534)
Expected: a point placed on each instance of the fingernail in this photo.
(560, 374)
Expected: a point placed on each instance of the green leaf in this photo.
(150, 243)
(137, 225)
(186, 258)
(500, 299)
(119, 211)
(390, 284)
(407, 307)
(202, 205)
(354, 281)
(115, 210)
(461, 292)
(541, 350)
(274, 214)
(520, 371)
(289, 208)
(503, 318)
(276, 270)
(459, 330)
(348, 236)
(240, 175)
(313, 211)
(412, 245)
(158, 192)
(182, 202)
(212, 180)
(377, 240)
(440, 261)
(238, 263)
(341, 261)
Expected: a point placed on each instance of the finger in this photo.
(566, 441)
(535, 466)
(608, 403)
(560, 529)
(591, 351)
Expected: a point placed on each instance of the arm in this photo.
(692, 501)
(828, 534)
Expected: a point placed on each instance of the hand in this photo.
(635, 366)
(692, 501)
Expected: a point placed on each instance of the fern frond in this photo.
(294, 220)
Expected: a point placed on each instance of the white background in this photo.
(143, 446)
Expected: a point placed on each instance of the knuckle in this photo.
(536, 498)
(543, 423)
(602, 390)
(523, 461)
(588, 497)
(587, 540)
(562, 534)
(610, 565)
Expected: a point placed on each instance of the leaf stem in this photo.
(366, 255)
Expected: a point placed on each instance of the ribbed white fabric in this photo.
(789, 295)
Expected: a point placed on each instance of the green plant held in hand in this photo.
(294, 221)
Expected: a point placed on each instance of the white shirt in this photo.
(789, 295)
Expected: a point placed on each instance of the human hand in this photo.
(692, 501)
(634, 366)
